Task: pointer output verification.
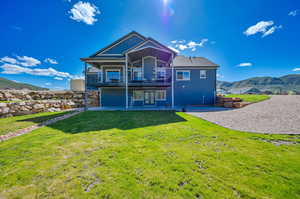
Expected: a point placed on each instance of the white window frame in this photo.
(161, 69)
(112, 70)
(203, 77)
(142, 99)
(183, 75)
(99, 74)
(165, 95)
(137, 69)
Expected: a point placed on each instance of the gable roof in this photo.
(183, 61)
(142, 42)
(133, 33)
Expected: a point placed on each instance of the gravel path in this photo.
(278, 115)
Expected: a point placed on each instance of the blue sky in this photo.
(42, 41)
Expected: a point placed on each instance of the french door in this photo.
(149, 98)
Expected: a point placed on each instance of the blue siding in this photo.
(149, 66)
(113, 97)
(196, 91)
(125, 45)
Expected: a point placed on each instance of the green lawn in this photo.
(18, 122)
(250, 98)
(134, 155)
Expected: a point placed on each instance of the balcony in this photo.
(131, 83)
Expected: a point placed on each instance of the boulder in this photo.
(3, 104)
(228, 104)
(4, 110)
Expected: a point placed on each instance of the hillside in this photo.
(6, 84)
(284, 84)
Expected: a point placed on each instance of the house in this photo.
(139, 71)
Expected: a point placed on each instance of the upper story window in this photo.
(137, 73)
(203, 74)
(160, 73)
(99, 76)
(113, 75)
(183, 75)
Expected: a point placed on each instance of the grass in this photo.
(151, 155)
(18, 122)
(250, 98)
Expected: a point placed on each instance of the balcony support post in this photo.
(85, 87)
(172, 76)
(126, 80)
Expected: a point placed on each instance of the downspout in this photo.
(85, 87)
(172, 68)
(126, 80)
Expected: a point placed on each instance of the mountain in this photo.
(6, 84)
(276, 85)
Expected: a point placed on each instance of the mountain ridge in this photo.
(6, 84)
(276, 85)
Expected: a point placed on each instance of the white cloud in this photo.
(174, 49)
(193, 45)
(51, 61)
(58, 78)
(293, 13)
(7, 59)
(15, 69)
(219, 76)
(181, 45)
(296, 69)
(28, 61)
(85, 12)
(48, 84)
(246, 64)
(21, 60)
(264, 27)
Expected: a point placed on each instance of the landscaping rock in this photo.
(228, 104)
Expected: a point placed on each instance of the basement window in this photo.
(138, 95)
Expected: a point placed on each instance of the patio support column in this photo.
(172, 68)
(126, 80)
(85, 87)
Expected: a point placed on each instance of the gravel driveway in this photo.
(278, 115)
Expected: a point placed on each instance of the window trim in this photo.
(133, 70)
(189, 71)
(112, 70)
(205, 74)
(99, 75)
(137, 100)
(157, 71)
(165, 95)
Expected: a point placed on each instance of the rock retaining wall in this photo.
(28, 102)
(231, 102)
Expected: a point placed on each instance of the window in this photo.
(138, 95)
(137, 73)
(160, 73)
(99, 76)
(113, 75)
(183, 75)
(160, 95)
(202, 74)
